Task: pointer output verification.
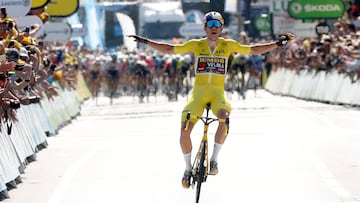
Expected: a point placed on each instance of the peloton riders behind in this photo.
(211, 58)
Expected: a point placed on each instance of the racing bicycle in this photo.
(200, 169)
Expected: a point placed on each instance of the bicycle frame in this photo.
(200, 169)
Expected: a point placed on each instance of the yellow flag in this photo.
(62, 8)
(39, 3)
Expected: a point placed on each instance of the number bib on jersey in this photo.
(211, 65)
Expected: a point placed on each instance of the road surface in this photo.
(279, 150)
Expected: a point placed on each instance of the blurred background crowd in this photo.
(335, 48)
(30, 62)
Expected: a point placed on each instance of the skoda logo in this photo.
(296, 8)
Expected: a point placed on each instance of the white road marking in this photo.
(325, 173)
(69, 175)
(327, 176)
(72, 170)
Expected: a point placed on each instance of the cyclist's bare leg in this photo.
(220, 137)
(220, 134)
(185, 140)
(186, 144)
(186, 147)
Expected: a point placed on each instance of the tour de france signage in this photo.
(310, 9)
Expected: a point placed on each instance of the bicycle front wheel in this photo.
(201, 172)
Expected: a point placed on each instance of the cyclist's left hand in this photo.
(284, 39)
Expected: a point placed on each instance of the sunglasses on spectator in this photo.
(213, 23)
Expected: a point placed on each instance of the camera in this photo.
(19, 67)
(34, 99)
(41, 44)
(10, 25)
(52, 67)
(2, 77)
(14, 104)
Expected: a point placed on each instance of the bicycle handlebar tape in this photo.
(283, 40)
(141, 39)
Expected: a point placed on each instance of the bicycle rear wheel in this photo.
(201, 173)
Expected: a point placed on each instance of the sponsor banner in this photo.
(210, 64)
(259, 25)
(263, 23)
(16, 7)
(62, 8)
(302, 9)
(39, 3)
(57, 32)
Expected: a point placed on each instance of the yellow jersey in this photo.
(211, 66)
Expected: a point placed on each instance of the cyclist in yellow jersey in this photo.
(211, 58)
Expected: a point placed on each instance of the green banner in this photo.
(262, 23)
(305, 9)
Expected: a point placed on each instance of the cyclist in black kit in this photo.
(112, 70)
(142, 75)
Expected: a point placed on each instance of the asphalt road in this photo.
(279, 150)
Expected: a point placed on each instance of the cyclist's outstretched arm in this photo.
(257, 49)
(162, 47)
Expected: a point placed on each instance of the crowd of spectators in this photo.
(339, 50)
(29, 66)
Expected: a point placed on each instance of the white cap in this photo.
(23, 52)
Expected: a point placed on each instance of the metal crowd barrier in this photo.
(328, 87)
(29, 134)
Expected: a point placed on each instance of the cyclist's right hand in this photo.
(139, 39)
